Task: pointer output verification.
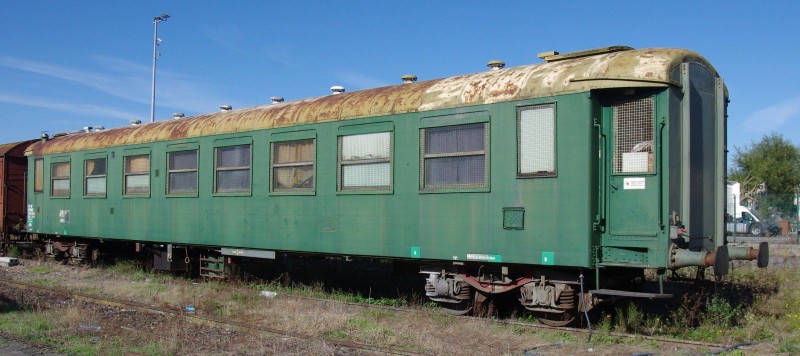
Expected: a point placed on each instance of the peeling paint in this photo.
(632, 68)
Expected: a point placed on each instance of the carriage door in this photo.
(632, 184)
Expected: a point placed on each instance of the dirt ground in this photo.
(423, 331)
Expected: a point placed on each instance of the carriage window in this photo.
(94, 177)
(38, 175)
(454, 157)
(537, 142)
(365, 161)
(633, 136)
(232, 169)
(293, 165)
(182, 172)
(137, 175)
(59, 176)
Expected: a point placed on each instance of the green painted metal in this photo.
(447, 226)
(581, 217)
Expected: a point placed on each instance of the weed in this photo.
(720, 313)
(337, 334)
(13, 251)
(41, 269)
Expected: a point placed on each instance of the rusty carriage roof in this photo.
(621, 67)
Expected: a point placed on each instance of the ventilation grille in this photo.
(633, 136)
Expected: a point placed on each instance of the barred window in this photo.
(537, 142)
(232, 169)
(137, 175)
(94, 177)
(182, 172)
(59, 179)
(38, 175)
(633, 136)
(455, 157)
(293, 165)
(365, 161)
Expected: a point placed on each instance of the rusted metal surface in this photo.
(633, 68)
(13, 166)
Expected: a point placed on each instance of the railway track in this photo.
(242, 327)
(203, 320)
(579, 332)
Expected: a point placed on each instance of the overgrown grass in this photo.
(747, 306)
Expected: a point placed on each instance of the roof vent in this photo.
(276, 99)
(177, 115)
(45, 136)
(496, 64)
(225, 108)
(553, 56)
(136, 122)
(337, 89)
(408, 78)
(87, 129)
(546, 55)
(99, 128)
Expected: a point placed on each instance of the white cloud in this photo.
(357, 81)
(129, 81)
(80, 109)
(121, 87)
(771, 118)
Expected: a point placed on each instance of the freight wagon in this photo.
(601, 163)
(13, 167)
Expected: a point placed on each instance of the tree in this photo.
(770, 166)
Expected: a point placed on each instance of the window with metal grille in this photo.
(59, 179)
(633, 136)
(537, 141)
(94, 179)
(232, 169)
(454, 157)
(293, 165)
(182, 172)
(137, 175)
(38, 175)
(365, 161)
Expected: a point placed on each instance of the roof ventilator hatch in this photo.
(553, 56)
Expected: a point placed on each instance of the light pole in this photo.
(156, 20)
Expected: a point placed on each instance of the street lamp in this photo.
(156, 42)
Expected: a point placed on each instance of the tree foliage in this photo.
(770, 166)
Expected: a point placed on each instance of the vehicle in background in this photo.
(739, 219)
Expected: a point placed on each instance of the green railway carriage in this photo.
(606, 162)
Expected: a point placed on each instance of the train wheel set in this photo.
(555, 185)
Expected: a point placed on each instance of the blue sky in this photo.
(69, 64)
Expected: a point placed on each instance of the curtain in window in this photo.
(38, 180)
(293, 165)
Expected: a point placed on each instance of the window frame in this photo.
(554, 137)
(67, 178)
(87, 177)
(126, 174)
(249, 168)
(341, 163)
(286, 139)
(170, 172)
(617, 157)
(477, 118)
(38, 175)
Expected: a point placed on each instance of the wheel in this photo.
(456, 309)
(567, 311)
(756, 230)
(557, 319)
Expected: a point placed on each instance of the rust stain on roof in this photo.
(651, 67)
